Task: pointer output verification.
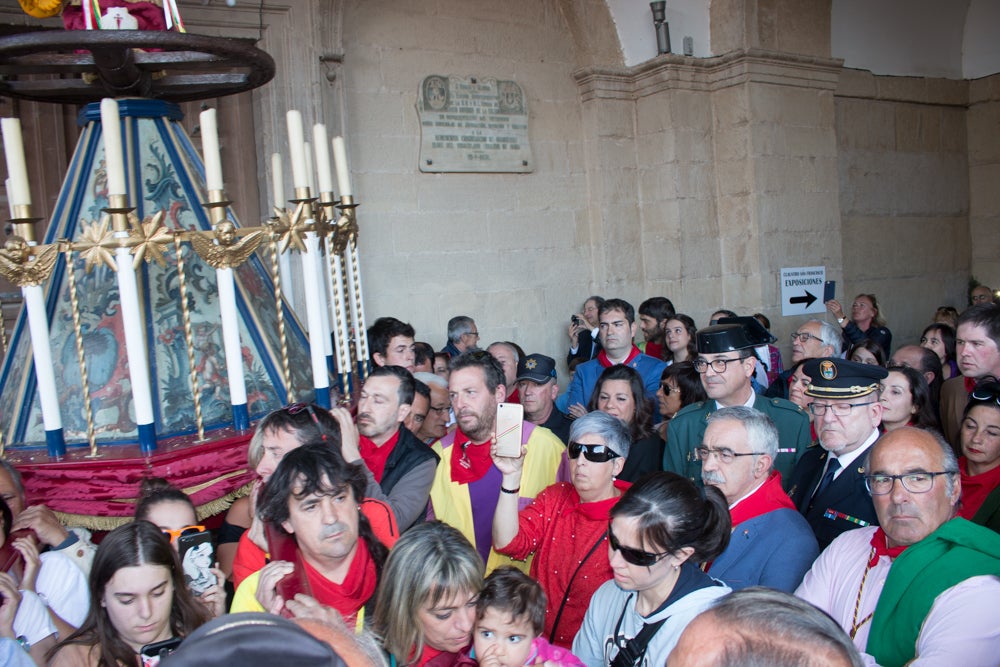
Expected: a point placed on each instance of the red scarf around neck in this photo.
(881, 546)
(358, 586)
(975, 488)
(469, 460)
(769, 497)
(375, 456)
(602, 357)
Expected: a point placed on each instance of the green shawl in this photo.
(956, 551)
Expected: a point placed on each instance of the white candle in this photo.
(315, 309)
(18, 191)
(231, 337)
(135, 340)
(10, 199)
(114, 159)
(277, 181)
(38, 324)
(340, 159)
(296, 148)
(322, 147)
(210, 149)
(307, 152)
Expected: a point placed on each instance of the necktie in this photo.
(831, 469)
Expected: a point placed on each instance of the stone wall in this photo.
(904, 195)
(983, 127)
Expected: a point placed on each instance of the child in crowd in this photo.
(510, 615)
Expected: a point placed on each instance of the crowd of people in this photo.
(687, 500)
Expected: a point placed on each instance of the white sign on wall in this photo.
(802, 290)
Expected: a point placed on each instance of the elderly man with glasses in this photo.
(772, 545)
(922, 588)
(726, 362)
(828, 484)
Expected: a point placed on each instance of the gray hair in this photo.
(609, 428)
(500, 343)
(431, 378)
(770, 628)
(829, 334)
(762, 434)
(458, 326)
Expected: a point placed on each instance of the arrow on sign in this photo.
(808, 299)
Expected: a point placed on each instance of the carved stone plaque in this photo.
(473, 125)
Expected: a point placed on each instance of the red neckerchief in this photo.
(599, 509)
(881, 548)
(513, 397)
(602, 357)
(427, 655)
(767, 498)
(375, 456)
(469, 460)
(354, 592)
(970, 384)
(975, 488)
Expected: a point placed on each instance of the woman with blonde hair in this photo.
(426, 601)
(866, 321)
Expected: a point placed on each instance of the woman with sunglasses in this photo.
(565, 526)
(980, 460)
(621, 393)
(169, 509)
(680, 386)
(139, 599)
(661, 529)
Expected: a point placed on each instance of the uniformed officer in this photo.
(726, 362)
(828, 484)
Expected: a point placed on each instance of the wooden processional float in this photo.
(155, 326)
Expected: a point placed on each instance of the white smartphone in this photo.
(510, 416)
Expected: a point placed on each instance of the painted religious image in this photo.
(473, 125)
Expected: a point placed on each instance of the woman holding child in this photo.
(565, 526)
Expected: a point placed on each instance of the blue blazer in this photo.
(775, 549)
(585, 379)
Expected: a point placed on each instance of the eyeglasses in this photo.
(173, 534)
(718, 365)
(634, 556)
(804, 336)
(593, 453)
(914, 482)
(667, 389)
(296, 408)
(474, 334)
(725, 454)
(839, 409)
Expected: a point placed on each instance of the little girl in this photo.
(510, 615)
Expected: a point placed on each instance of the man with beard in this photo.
(467, 484)
(399, 468)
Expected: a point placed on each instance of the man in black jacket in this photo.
(399, 468)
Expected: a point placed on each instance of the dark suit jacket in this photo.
(587, 348)
(844, 505)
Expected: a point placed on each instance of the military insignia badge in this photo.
(531, 364)
(828, 370)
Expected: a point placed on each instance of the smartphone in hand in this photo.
(829, 290)
(197, 558)
(510, 417)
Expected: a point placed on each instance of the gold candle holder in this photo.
(119, 209)
(304, 196)
(23, 223)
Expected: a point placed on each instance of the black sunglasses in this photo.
(296, 408)
(593, 453)
(634, 556)
(980, 394)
